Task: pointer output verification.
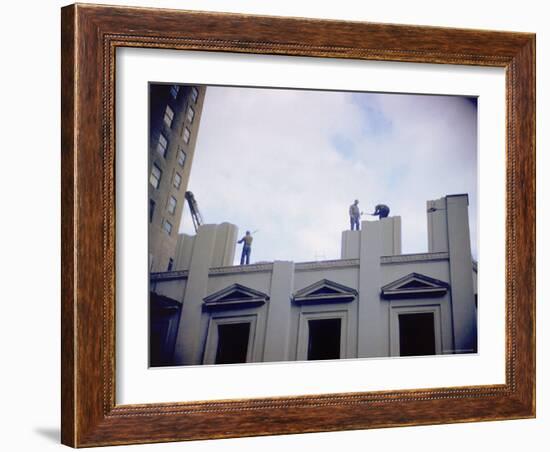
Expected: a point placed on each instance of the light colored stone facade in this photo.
(370, 292)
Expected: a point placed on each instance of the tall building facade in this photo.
(174, 118)
(372, 302)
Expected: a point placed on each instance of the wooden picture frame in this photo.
(90, 36)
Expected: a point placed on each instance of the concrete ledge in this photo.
(414, 257)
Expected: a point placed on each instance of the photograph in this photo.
(291, 224)
(272, 222)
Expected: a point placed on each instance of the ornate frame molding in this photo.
(90, 36)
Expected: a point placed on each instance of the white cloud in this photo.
(289, 163)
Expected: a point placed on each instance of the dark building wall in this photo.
(164, 315)
(162, 244)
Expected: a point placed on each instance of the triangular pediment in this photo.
(158, 302)
(325, 291)
(236, 295)
(233, 296)
(415, 285)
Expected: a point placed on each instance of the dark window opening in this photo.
(152, 205)
(232, 343)
(416, 334)
(324, 339)
(170, 265)
(157, 339)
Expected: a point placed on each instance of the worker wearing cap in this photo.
(381, 210)
(354, 215)
(247, 247)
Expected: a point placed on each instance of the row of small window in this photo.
(156, 174)
(169, 115)
(162, 147)
(175, 89)
(166, 225)
(171, 207)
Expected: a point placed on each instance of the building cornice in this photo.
(167, 276)
(267, 267)
(418, 257)
(303, 266)
(336, 263)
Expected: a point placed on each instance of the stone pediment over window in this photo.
(415, 285)
(325, 291)
(162, 303)
(235, 296)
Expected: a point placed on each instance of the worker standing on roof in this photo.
(381, 210)
(247, 247)
(354, 215)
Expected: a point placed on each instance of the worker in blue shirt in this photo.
(381, 210)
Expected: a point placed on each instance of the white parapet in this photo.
(184, 251)
(222, 254)
(224, 248)
(438, 234)
(389, 230)
(460, 261)
(351, 243)
(391, 235)
(449, 231)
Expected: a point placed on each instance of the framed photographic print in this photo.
(282, 225)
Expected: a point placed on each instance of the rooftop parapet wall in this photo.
(449, 231)
(390, 235)
(223, 253)
(441, 221)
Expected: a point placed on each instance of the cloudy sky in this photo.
(288, 163)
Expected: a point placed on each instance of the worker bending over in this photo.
(381, 210)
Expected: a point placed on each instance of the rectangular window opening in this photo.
(162, 145)
(174, 91)
(190, 114)
(232, 343)
(167, 226)
(156, 174)
(181, 157)
(152, 205)
(177, 180)
(168, 116)
(194, 94)
(324, 339)
(417, 334)
(172, 203)
(186, 135)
